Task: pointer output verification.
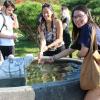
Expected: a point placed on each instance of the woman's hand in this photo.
(45, 59)
(49, 59)
(40, 56)
(45, 48)
(15, 23)
(14, 36)
(14, 16)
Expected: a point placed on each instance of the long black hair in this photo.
(48, 6)
(43, 21)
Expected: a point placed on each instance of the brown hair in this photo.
(84, 9)
(9, 3)
(50, 7)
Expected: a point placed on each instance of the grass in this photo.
(23, 47)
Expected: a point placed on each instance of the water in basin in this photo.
(59, 70)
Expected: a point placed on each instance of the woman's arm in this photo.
(63, 53)
(3, 35)
(83, 52)
(42, 40)
(59, 33)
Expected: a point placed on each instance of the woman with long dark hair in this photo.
(51, 32)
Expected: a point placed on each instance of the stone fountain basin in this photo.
(59, 90)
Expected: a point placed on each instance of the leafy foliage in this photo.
(27, 15)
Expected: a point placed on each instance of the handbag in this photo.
(90, 69)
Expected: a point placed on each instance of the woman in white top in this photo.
(8, 21)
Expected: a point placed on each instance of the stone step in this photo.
(17, 93)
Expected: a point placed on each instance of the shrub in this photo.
(27, 15)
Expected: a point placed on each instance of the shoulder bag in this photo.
(90, 69)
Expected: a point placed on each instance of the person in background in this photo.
(39, 18)
(51, 32)
(66, 21)
(8, 21)
(82, 30)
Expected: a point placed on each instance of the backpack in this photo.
(4, 21)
